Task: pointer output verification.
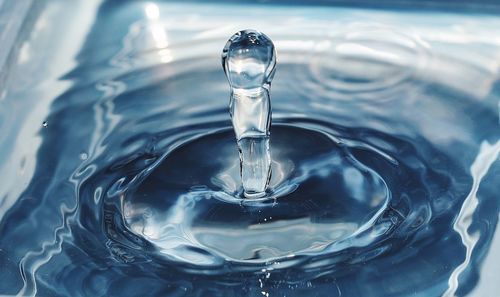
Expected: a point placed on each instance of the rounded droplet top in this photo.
(249, 60)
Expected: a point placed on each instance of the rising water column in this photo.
(249, 61)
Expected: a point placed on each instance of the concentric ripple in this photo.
(385, 147)
(320, 195)
(366, 60)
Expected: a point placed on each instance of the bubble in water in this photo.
(249, 61)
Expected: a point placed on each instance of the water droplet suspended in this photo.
(249, 61)
(45, 124)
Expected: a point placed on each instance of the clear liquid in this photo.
(249, 61)
(385, 144)
(255, 165)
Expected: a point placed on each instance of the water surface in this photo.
(120, 168)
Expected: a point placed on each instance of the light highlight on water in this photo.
(385, 146)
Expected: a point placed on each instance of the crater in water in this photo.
(385, 147)
(320, 195)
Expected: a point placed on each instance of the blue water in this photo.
(120, 169)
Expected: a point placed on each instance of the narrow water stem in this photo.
(249, 61)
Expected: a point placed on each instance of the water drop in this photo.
(249, 61)
(45, 124)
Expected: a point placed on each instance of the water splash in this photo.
(249, 61)
(388, 114)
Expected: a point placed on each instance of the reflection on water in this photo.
(385, 145)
